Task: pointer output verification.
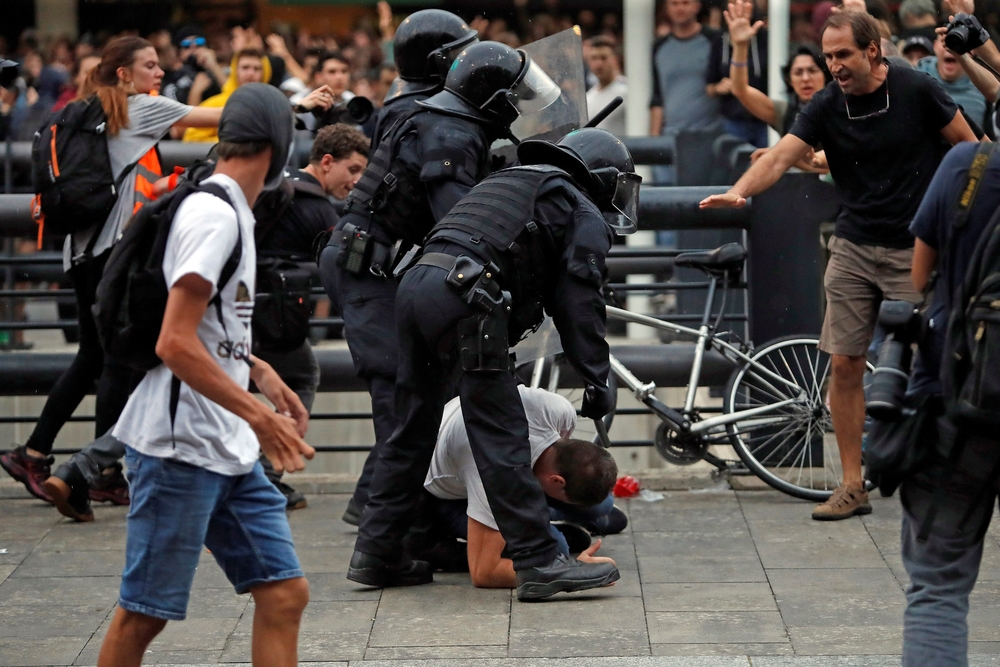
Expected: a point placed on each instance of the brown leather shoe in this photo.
(846, 501)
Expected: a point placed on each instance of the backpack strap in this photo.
(228, 271)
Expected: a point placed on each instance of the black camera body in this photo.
(355, 111)
(903, 325)
(9, 71)
(965, 33)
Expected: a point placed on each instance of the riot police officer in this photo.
(524, 240)
(424, 47)
(425, 163)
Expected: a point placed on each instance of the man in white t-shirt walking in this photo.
(603, 61)
(576, 476)
(194, 431)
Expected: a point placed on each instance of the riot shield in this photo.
(561, 57)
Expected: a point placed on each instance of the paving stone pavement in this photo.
(708, 579)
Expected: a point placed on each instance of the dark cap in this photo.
(917, 41)
(259, 112)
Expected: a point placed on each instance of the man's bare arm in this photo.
(958, 130)
(924, 261)
(486, 566)
(186, 356)
(655, 121)
(984, 82)
(762, 174)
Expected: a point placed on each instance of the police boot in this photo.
(563, 575)
(371, 570)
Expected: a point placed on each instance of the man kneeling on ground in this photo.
(576, 476)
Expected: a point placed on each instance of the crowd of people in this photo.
(440, 261)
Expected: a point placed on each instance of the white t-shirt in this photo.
(453, 473)
(204, 434)
(598, 98)
(150, 117)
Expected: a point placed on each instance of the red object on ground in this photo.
(626, 487)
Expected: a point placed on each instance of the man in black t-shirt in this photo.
(881, 128)
(338, 157)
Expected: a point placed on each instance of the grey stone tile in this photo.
(324, 558)
(984, 647)
(720, 627)
(833, 598)
(332, 647)
(855, 639)
(88, 656)
(984, 612)
(984, 660)
(734, 542)
(432, 629)
(772, 505)
(814, 544)
(434, 652)
(194, 634)
(445, 598)
(6, 571)
(331, 586)
(564, 642)
(326, 618)
(754, 650)
(216, 603)
(829, 661)
(596, 661)
(180, 657)
(57, 591)
(40, 650)
(717, 567)
(19, 526)
(56, 621)
(15, 551)
(209, 574)
(71, 564)
(586, 614)
(98, 536)
(708, 597)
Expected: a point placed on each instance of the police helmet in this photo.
(599, 162)
(425, 45)
(491, 82)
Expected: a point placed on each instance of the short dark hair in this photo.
(332, 55)
(864, 27)
(589, 470)
(230, 149)
(339, 140)
(249, 53)
(817, 57)
(603, 41)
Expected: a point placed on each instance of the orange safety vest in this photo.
(147, 172)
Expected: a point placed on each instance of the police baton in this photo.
(605, 112)
(602, 433)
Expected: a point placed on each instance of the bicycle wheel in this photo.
(553, 377)
(786, 446)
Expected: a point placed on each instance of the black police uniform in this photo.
(394, 110)
(442, 156)
(543, 243)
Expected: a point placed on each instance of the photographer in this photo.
(947, 504)
(331, 78)
(289, 220)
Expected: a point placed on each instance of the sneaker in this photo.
(374, 571)
(295, 500)
(69, 492)
(846, 501)
(29, 470)
(111, 487)
(352, 515)
(563, 575)
(611, 523)
(577, 538)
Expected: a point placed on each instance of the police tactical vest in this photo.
(496, 219)
(388, 194)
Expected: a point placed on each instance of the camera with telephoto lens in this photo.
(354, 111)
(9, 71)
(965, 33)
(903, 324)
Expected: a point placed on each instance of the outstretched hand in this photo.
(726, 200)
(738, 19)
(587, 555)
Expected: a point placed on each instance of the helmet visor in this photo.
(533, 91)
(624, 216)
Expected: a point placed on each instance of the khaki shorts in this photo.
(857, 279)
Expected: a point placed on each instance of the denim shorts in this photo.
(176, 508)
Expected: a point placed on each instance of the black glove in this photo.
(965, 33)
(597, 402)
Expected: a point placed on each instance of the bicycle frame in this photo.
(706, 339)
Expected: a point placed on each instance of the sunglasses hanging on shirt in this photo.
(872, 114)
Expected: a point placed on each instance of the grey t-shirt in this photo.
(149, 119)
(679, 67)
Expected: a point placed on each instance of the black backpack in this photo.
(71, 169)
(132, 294)
(970, 367)
(282, 302)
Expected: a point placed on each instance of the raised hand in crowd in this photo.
(277, 47)
(738, 17)
(852, 6)
(322, 97)
(385, 25)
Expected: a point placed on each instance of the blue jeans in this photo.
(176, 508)
(751, 131)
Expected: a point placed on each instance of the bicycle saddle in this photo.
(724, 259)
